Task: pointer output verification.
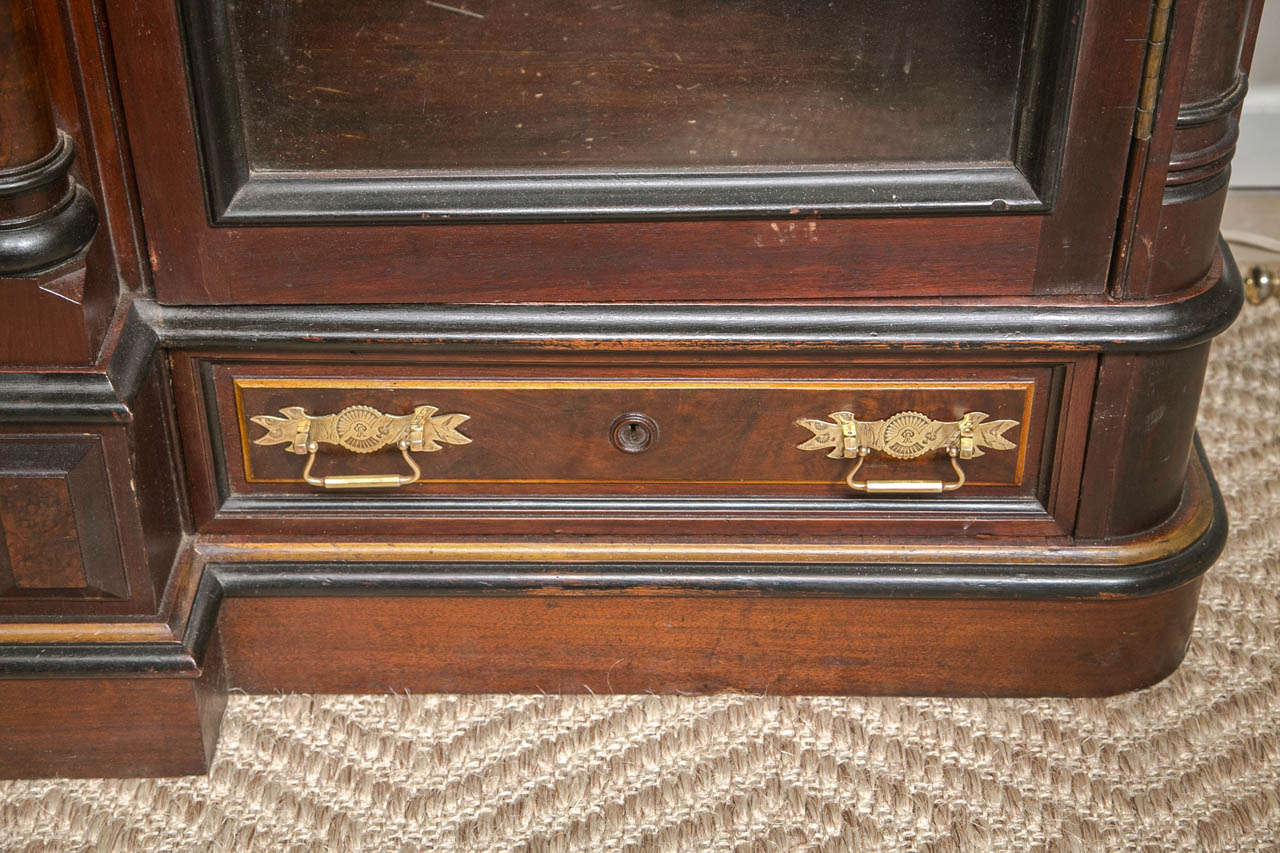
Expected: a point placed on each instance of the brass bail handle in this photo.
(361, 481)
(362, 429)
(906, 435)
(927, 487)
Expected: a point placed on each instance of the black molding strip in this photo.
(60, 398)
(35, 242)
(1186, 193)
(1106, 327)
(96, 660)
(98, 396)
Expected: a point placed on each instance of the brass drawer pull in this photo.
(906, 435)
(361, 429)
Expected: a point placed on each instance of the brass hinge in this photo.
(1151, 68)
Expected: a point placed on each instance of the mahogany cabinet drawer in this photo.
(616, 444)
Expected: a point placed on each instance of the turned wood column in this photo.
(1183, 180)
(46, 217)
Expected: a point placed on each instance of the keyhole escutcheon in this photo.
(633, 432)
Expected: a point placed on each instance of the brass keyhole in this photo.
(633, 433)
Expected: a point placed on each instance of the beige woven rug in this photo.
(1190, 764)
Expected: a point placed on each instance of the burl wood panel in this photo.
(642, 643)
(38, 525)
(57, 527)
(722, 434)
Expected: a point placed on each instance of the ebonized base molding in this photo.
(1005, 619)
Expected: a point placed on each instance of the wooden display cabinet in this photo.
(637, 346)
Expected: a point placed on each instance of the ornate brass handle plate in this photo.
(906, 435)
(362, 429)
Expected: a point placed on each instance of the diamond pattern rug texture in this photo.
(1190, 764)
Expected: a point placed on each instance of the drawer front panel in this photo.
(324, 438)
(557, 434)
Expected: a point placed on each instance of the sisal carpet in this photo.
(1190, 764)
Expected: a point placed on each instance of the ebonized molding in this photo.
(103, 660)
(1198, 174)
(1185, 193)
(1117, 327)
(59, 232)
(1203, 112)
(46, 217)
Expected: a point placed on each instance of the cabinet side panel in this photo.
(1140, 440)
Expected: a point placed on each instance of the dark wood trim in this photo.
(1219, 106)
(1028, 577)
(96, 660)
(46, 217)
(153, 708)
(1078, 239)
(878, 326)
(106, 710)
(94, 727)
(96, 395)
(41, 244)
(1177, 192)
(702, 644)
(1178, 177)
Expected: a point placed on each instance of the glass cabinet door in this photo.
(595, 108)
(628, 150)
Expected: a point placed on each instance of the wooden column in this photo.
(46, 217)
(1180, 177)
(55, 308)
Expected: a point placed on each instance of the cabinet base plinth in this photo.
(92, 727)
(993, 619)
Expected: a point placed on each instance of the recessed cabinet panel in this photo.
(480, 84)
(57, 530)
(502, 109)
